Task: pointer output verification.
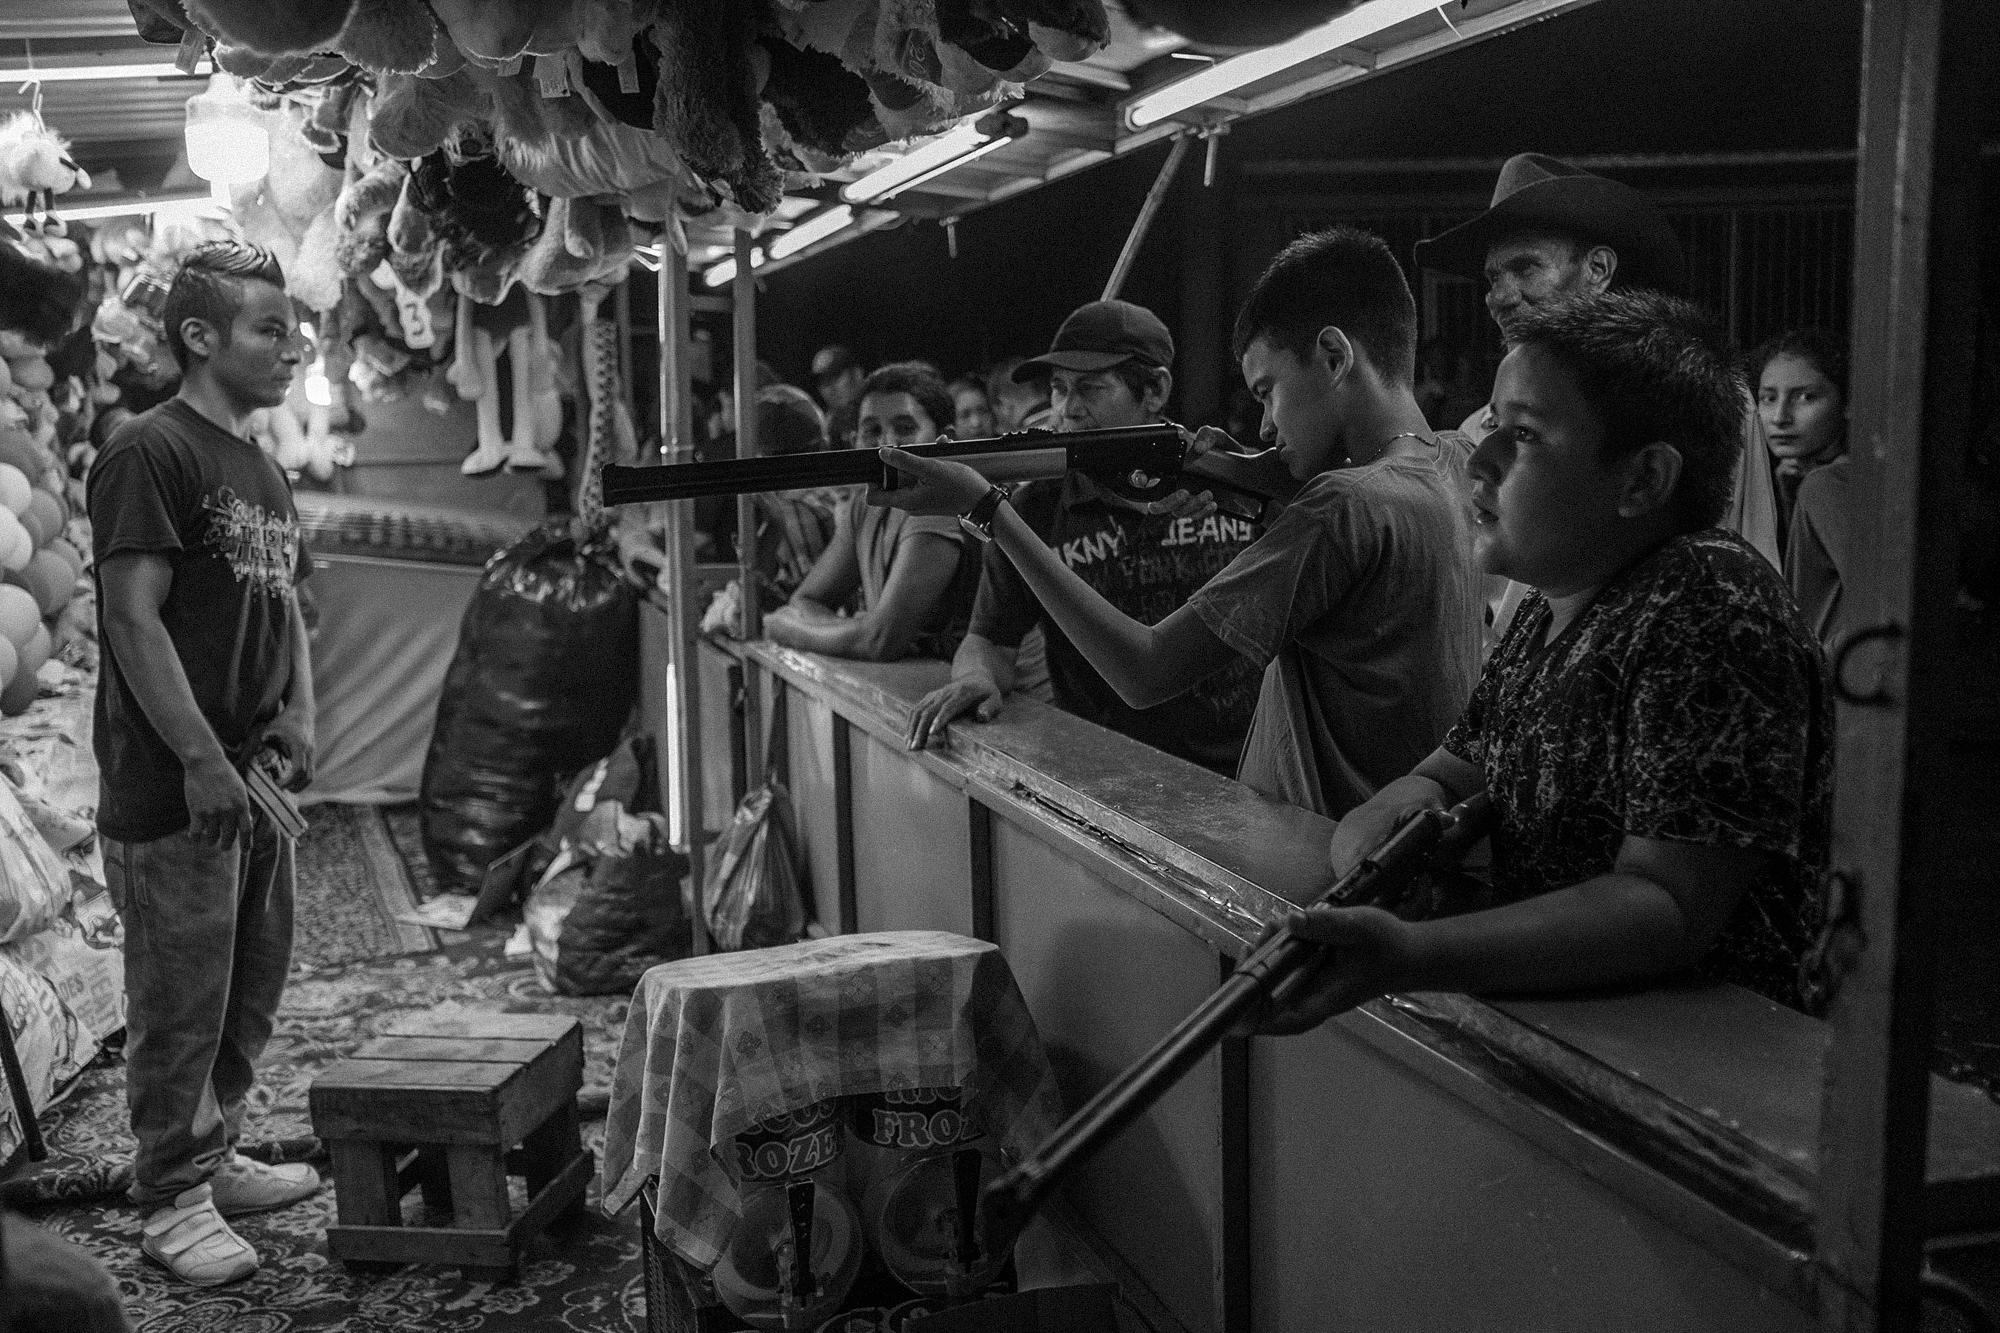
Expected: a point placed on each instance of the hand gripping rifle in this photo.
(1428, 839)
(1140, 463)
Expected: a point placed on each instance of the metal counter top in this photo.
(1700, 1102)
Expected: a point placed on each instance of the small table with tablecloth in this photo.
(714, 1045)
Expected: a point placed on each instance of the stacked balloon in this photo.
(40, 565)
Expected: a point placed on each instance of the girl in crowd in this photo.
(1802, 398)
(1801, 378)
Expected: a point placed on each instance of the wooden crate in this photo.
(454, 1104)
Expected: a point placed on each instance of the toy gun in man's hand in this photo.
(1428, 840)
(1139, 464)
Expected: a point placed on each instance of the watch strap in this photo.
(978, 520)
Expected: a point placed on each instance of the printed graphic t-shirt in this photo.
(1147, 566)
(1686, 703)
(173, 483)
(1362, 606)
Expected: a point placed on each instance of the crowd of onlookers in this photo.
(1798, 379)
(1601, 587)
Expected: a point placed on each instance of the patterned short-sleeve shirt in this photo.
(1686, 703)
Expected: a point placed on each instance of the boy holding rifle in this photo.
(1359, 602)
(1653, 729)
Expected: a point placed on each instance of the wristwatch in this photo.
(978, 520)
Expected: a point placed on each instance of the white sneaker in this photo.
(245, 1186)
(190, 1239)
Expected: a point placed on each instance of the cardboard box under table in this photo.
(715, 1045)
(454, 1103)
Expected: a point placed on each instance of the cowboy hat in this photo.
(1536, 192)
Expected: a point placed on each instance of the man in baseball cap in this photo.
(1108, 366)
(1101, 335)
(1552, 231)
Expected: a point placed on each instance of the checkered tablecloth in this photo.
(715, 1044)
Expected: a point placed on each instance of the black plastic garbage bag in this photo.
(609, 911)
(546, 672)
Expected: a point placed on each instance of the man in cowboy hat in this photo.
(1554, 230)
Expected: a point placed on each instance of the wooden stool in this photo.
(442, 1102)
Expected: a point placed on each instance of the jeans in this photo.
(208, 938)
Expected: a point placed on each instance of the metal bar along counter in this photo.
(1637, 1162)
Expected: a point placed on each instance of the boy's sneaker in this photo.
(189, 1238)
(245, 1186)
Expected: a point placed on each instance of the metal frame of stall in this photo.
(1917, 208)
(1917, 185)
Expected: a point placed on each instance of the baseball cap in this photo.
(1101, 335)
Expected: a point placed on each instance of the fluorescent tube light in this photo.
(193, 205)
(726, 271)
(966, 142)
(86, 73)
(815, 228)
(1225, 77)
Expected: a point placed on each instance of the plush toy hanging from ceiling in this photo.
(520, 325)
(742, 92)
(35, 167)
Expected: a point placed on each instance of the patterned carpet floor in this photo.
(353, 881)
(581, 1278)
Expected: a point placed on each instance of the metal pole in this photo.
(744, 327)
(1900, 845)
(1144, 222)
(681, 765)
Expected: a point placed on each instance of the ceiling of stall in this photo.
(127, 131)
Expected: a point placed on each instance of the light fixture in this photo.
(1226, 76)
(88, 73)
(967, 142)
(725, 272)
(227, 142)
(815, 228)
(189, 206)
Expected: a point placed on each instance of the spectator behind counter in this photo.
(1801, 379)
(839, 374)
(910, 580)
(793, 527)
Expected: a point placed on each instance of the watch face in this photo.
(983, 531)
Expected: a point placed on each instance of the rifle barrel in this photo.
(1113, 453)
(1431, 837)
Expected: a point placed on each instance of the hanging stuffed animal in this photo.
(711, 71)
(391, 36)
(273, 27)
(610, 436)
(519, 324)
(36, 298)
(35, 165)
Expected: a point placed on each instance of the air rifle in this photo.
(1139, 463)
(1428, 839)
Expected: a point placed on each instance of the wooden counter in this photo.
(1427, 1162)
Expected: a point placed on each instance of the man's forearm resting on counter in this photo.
(921, 575)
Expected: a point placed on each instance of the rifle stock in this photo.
(1430, 838)
(1139, 462)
